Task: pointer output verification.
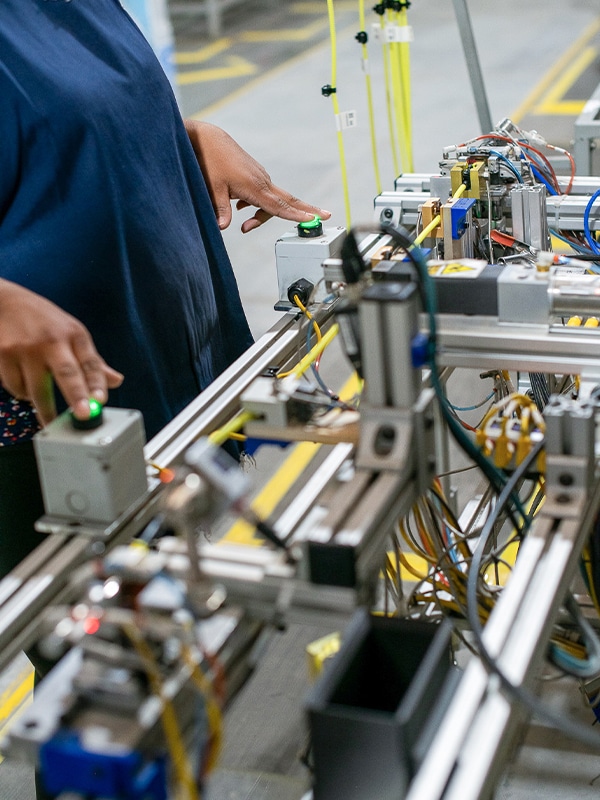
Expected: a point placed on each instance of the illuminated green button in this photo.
(310, 229)
(93, 421)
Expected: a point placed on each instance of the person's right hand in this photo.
(40, 342)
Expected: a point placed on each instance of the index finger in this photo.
(280, 203)
(78, 373)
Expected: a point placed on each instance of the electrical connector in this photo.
(302, 289)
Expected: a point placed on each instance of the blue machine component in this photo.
(251, 445)
(458, 216)
(67, 766)
(419, 350)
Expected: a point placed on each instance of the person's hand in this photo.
(40, 342)
(231, 174)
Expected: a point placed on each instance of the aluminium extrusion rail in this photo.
(42, 577)
(473, 742)
(483, 342)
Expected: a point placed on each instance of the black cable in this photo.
(496, 478)
(523, 696)
(579, 668)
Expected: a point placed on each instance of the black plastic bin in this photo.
(372, 703)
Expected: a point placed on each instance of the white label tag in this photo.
(377, 32)
(398, 33)
(346, 119)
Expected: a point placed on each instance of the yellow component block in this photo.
(502, 454)
(476, 176)
(591, 322)
(429, 211)
(523, 448)
(319, 651)
(574, 322)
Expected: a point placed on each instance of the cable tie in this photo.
(328, 90)
(362, 37)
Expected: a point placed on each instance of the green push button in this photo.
(310, 229)
(93, 421)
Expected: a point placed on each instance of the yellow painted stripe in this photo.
(265, 76)
(317, 7)
(14, 695)
(555, 71)
(243, 532)
(553, 102)
(567, 108)
(275, 490)
(236, 68)
(15, 699)
(285, 34)
(204, 53)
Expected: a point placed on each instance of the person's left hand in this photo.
(231, 174)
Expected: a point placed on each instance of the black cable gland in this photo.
(302, 289)
(466, 177)
(379, 9)
(394, 5)
(328, 90)
(362, 37)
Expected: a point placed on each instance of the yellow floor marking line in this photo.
(236, 67)
(317, 7)
(282, 481)
(266, 501)
(203, 54)
(263, 77)
(555, 71)
(15, 699)
(285, 34)
(553, 102)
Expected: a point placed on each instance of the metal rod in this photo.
(470, 49)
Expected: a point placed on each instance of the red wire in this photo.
(527, 146)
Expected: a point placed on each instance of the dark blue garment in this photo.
(103, 208)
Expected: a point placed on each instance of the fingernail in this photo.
(99, 395)
(81, 409)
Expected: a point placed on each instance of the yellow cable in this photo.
(427, 230)
(221, 435)
(316, 351)
(336, 111)
(435, 222)
(397, 94)
(404, 53)
(365, 58)
(309, 316)
(388, 96)
(409, 567)
(213, 711)
(173, 735)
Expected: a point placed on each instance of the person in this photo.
(114, 279)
